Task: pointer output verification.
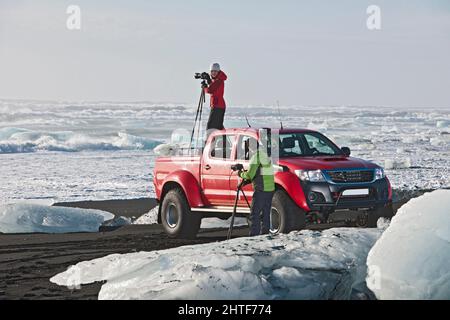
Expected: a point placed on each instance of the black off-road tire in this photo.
(291, 216)
(186, 224)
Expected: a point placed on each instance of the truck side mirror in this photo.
(346, 151)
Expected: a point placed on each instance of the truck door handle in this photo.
(207, 167)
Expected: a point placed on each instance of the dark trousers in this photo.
(215, 120)
(261, 207)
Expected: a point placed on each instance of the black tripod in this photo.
(198, 116)
(239, 189)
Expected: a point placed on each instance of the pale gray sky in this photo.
(299, 52)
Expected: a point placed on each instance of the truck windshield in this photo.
(306, 145)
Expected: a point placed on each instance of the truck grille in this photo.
(351, 176)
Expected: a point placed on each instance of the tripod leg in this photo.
(202, 101)
(199, 110)
(230, 230)
(246, 200)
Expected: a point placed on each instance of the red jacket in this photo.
(216, 90)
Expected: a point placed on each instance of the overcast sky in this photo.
(299, 52)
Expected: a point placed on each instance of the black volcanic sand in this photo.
(28, 261)
(132, 208)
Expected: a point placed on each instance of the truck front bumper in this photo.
(325, 196)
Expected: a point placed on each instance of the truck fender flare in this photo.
(188, 183)
(291, 184)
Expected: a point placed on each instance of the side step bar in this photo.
(242, 210)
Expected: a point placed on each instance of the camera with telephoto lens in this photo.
(203, 76)
(237, 167)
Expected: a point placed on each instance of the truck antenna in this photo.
(248, 123)
(279, 114)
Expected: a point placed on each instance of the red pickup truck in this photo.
(313, 176)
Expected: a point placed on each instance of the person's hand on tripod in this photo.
(244, 181)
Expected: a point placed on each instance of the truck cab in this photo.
(313, 176)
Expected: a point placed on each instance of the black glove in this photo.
(204, 85)
(246, 182)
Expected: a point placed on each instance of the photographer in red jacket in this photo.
(216, 88)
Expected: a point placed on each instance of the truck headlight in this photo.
(310, 175)
(379, 174)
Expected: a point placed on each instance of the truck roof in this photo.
(252, 129)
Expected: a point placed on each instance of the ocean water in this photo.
(66, 151)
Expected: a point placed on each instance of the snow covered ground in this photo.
(302, 265)
(28, 218)
(65, 151)
(411, 260)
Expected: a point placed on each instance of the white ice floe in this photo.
(300, 265)
(29, 218)
(411, 260)
(151, 217)
(390, 164)
(179, 140)
(442, 140)
(165, 149)
(118, 221)
(443, 124)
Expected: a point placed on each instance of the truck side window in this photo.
(222, 147)
(290, 146)
(243, 149)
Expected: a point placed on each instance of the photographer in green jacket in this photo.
(261, 174)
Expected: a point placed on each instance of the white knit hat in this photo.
(215, 67)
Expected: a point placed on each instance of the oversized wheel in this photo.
(285, 216)
(176, 216)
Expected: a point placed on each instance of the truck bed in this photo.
(167, 165)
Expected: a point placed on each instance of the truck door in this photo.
(216, 169)
(243, 156)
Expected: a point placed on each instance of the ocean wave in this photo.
(18, 140)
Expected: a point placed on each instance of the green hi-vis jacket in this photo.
(260, 173)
